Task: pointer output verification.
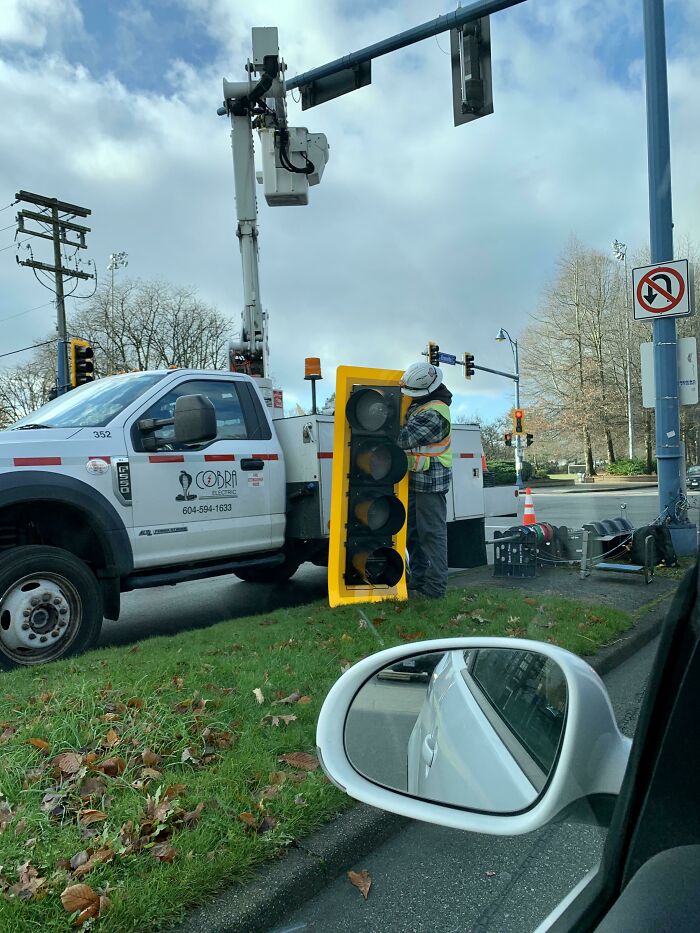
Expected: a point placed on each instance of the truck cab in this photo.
(97, 481)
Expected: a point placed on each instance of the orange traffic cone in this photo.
(529, 510)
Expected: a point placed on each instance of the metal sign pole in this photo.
(668, 450)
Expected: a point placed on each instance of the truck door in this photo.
(210, 500)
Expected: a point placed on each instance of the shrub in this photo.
(635, 467)
(504, 472)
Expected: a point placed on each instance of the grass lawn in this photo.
(137, 781)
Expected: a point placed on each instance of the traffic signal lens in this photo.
(368, 410)
(380, 461)
(382, 566)
(384, 514)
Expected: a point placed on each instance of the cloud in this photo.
(37, 23)
(418, 231)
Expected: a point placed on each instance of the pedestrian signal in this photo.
(519, 421)
(82, 367)
(508, 440)
(468, 365)
(369, 489)
(529, 439)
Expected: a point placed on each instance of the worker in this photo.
(426, 438)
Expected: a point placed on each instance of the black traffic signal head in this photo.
(377, 464)
(82, 366)
(529, 438)
(468, 365)
(369, 490)
(518, 421)
(433, 353)
(508, 440)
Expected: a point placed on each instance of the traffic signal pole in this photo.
(668, 449)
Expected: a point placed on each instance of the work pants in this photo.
(427, 542)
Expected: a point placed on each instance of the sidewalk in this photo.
(310, 864)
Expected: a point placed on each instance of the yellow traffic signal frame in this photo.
(74, 343)
(519, 418)
(339, 593)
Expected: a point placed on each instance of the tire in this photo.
(56, 596)
(275, 573)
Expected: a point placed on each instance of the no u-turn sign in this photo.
(661, 290)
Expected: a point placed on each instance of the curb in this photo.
(302, 872)
(608, 487)
(306, 868)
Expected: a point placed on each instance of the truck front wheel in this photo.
(50, 606)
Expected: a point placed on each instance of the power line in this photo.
(20, 313)
(8, 227)
(26, 240)
(32, 347)
(8, 206)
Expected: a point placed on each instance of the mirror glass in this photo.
(479, 728)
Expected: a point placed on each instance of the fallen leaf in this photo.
(112, 766)
(178, 683)
(135, 703)
(192, 816)
(150, 758)
(189, 754)
(151, 773)
(292, 698)
(268, 823)
(164, 852)
(80, 858)
(68, 763)
(344, 665)
(345, 637)
(529, 600)
(111, 739)
(248, 819)
(28, 884)
(275, 720)
(41, 744)
(6, 734)
(267, 793)
(257, 692)
(87, 817)
(174, 791)
(92, 787)
(277, 777)
(79, 897)
(300, 760)
(361, 880)
(300, 801)
(304, 700)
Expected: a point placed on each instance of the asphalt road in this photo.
(167, 610)
(428, 878)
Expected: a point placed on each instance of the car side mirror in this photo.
(492, 735)
(195, 420)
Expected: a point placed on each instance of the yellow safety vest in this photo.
(420, 458)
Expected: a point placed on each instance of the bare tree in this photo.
(149, 325)
(24, 388)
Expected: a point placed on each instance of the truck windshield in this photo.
(91, 406)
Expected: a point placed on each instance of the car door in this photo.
(209, 500)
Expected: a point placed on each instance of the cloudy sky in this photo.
(419, 230)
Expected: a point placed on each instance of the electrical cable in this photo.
(34, 346)
(8, 206)
(12, 245)
(20, 313)
(8, 227)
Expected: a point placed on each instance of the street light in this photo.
(116, 261)
(500, 337)
(620, 252)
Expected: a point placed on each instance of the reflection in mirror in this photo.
(477, 728)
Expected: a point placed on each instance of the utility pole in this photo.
(56, 229)
(668, 449)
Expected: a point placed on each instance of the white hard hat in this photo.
(421, 379)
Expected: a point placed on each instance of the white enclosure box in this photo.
(283, 188)
(307, 442)
(265, 43)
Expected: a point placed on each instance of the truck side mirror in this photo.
(195, 420)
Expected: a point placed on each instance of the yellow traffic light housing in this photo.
(369, 494)
(82, 367)
(519, 421)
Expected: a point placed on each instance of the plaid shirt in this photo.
(421, 428)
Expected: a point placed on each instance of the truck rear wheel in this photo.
(50, 606)
(275, 573)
